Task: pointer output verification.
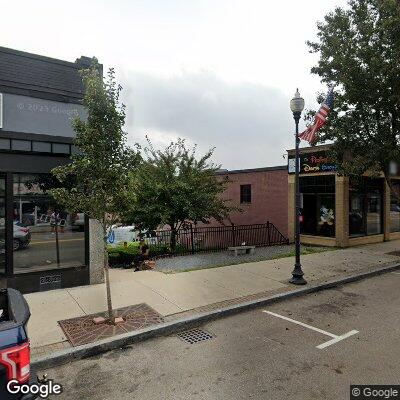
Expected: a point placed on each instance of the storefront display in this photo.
(42, 245)
(318, 205)
(45, 235)
(337, 211)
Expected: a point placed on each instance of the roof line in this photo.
(249, 170)
(21, 53)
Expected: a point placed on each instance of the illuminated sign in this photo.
(311, 163)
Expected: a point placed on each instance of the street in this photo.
(289, 350)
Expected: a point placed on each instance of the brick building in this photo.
(261, 194)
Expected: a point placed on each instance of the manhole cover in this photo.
(195, 335)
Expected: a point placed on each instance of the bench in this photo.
(242, 249)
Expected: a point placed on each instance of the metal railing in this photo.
(193, 239)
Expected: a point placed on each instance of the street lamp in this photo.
(297, 106)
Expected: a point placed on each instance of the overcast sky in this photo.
(219, 73)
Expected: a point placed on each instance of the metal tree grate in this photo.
(195, 336)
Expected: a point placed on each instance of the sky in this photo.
(219, 73)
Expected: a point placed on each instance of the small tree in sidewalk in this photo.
(100, 171)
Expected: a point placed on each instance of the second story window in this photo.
(245, 194)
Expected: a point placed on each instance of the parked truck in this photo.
(14, 344)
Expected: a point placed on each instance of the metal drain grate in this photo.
(194, 336)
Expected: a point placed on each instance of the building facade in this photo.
(260, 194)
(39, 96)
(336, 211)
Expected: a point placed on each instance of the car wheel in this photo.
(16, 244)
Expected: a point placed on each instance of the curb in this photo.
(179, 325)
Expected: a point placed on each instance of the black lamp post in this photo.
(297, 106)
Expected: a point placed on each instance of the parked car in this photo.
(22, 236)
(78, 221)
(14, 344)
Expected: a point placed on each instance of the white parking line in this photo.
(335, 338)
(397, 273)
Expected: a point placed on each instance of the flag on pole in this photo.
(310, 133)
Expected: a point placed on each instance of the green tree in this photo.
(359, 53)
(173, 187)
(100, 170)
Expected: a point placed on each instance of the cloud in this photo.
(249, 124)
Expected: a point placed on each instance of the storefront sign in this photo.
(34, 115)
(311, 163)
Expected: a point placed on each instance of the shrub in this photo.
(121, 256)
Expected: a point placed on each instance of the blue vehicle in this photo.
(14, 344)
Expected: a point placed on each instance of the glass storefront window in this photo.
(318, 205)
(2, 227)
(45, 235)
(365, 211)
(395, 207)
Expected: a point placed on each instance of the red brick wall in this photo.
(269, 197)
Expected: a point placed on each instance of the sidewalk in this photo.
(183, 293)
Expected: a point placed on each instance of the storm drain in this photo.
(195, 336)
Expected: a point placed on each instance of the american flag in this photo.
(310, 133)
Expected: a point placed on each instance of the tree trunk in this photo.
(107, 276)
(172, 242)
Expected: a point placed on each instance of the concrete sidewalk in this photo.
(172, 294)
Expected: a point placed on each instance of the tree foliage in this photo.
(359, 53)
(99, 172)
(173, 186)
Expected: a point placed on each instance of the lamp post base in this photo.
(297, 276)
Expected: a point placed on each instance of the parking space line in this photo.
(397, 273)
(335, 338)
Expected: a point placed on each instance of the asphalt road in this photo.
(256, 355)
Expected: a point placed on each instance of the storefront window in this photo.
(2, 227)
(365, 214)
(45, 235)
(318, 205)
(395, 207)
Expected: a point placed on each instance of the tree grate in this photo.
(195, 336)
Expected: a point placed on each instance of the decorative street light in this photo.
(297, 106)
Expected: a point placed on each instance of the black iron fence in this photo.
(192, 239)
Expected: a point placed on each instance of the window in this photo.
(245, 194)
(5, 144)
(43, 147)
(365, 209)
(2, 227)
(60, 148)
(318, 208)
(75, 150)
(395, 207)
(45, 235)
(21, 145)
